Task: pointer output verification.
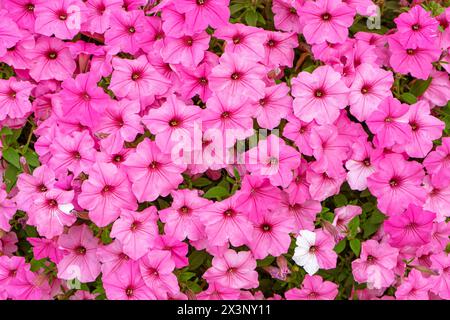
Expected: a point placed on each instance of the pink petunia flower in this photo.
(73, 152)
(201, 13)
(319, 96)
(369, 88)
(243, 40)
(437, 162)
(326, 20)
(81, 262)
(234, 270)
(82, 99)
(136, 231)
(375, 265)
(126, 283)
(410, 228)
(22, 12)
(397, 183)
(151, 172)
(187, 50)
(62, 18)
(416, 27)
(137, 79)
(270, 234)
(182, 219)
(236, 77)
(224, 222)
(279, 49)
(173, 121)
(51, 59)
(52, 211)
(120, 122)
(14, 98)
(390, 123)
(157, 271)
(286, 15)
(9, 32)
(98, 13)
(343, 215)
(414, 287)
(105, 193)
(313, 288)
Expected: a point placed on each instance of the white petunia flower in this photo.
(304, 254)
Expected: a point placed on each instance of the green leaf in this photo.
(355, 245)
(353, 226)
(340, 200)
(5, 131)
(216, 192)
(12, 156)
(377, 216)
(10, 177)
(408, 98)
(196, 259)
(185, 276)
(32, 158)
(267, 261)
(420, 86)
(340, 246)
(251, 17)
(194, 287)
(201, 182)
(237, 7)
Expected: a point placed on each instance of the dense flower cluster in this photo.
(202, 149)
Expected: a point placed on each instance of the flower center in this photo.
(201, 2)
(366, 162)
(42, 188)
(203, 81)
(225, 115)
(313, 249)
(153, 165)
(318, 93)
(135, 76)
(394, 182)
(129, 292)
(271, 43)
(174, 123)
(229, 213)
(292, 10)
(81, 250)
(52, 203)
(76, 155)
(415, 27)
(365, 90)
(131, 29)
(414, 126)
(388, 120)
(236, 39)
(135, 225)
(326, 16)
(266, 227)
(118, 158)
(410, 51)
(30, 7)
(52, 55)
(370, 259)
(184, 210)
(107, 188)
(62, 16)
(189, 41)
(235, 76)
(262, 102)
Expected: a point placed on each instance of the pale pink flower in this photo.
(313, 288)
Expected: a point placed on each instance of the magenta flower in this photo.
(7, 208)
(440, 284)
(9, 32)
(257, 195)
(61, 18)
(414, 287)
(136, 231)
(98, 14)
(172, 121)
(343, 215)
(416, 60)
(73, 152)
(127, 283)
(369, 88)
(14, 98)
(105, 193)
(224, 222)
(286, 15)
(120, 122)
(22, 12)
(51, 59)
(304, 213)
(151, 172)
(437, 162)
(31, 186)
(243, 40)
(216, 291)
(279, 48)
(276, 104)
(275, 159)
(236, 77)
(375, 265)
(157, 271)
(188, 50)
(319, 96)
(137, 79)
(46, 248)
(313, 288)
(410, 228)
(270, 234)
(390, 123)
(82, 99)
(196, 80)
(52, 211)
(416, 27)
(397, 183)
(331, 17)
(81, 261)
(201, 13)
(234, 270)
(182, 219)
